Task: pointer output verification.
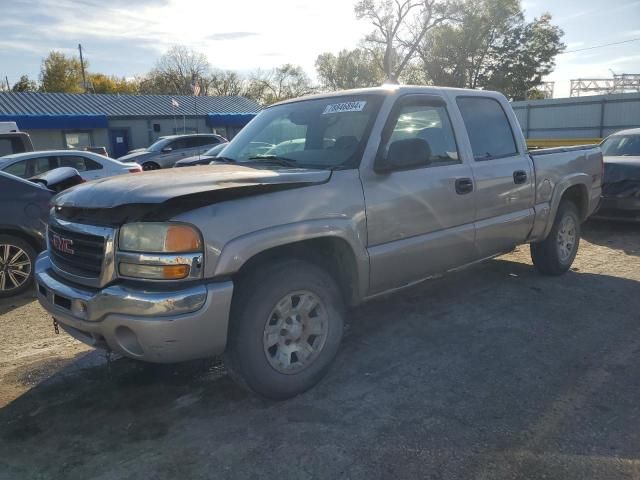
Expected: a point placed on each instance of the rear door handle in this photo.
(464, 186)
(519, 177)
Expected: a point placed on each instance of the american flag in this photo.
(174, 103)
(195, 86)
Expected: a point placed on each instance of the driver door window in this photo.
(431, 125)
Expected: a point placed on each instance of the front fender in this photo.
(240, 250)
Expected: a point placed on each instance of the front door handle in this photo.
(519, 177)
(464, 186)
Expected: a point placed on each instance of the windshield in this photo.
(322, 133)
(621, 145)
(158, 144)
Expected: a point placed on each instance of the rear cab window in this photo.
(488, 128)
(10, 144)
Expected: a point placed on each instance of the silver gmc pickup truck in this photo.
(318, 204)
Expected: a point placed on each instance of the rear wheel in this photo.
(150, 166)
(286, 327)
(555, 254)
(17, 258)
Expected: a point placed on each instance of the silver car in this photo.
(166, 151)
(91, 166)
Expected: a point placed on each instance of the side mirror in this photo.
(166, 150)
(405, 155)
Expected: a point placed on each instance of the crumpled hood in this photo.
(621, 177)
(160, 186)
(617, 169)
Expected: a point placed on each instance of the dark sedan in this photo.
(621, 182)
(24, 210)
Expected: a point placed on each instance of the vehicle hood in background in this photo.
(195, 158)
(195, 183)
(135, 156)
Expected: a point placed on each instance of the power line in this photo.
(601, 46)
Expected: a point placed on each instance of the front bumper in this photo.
(156, 325)
(625, 209)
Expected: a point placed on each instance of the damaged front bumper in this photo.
(152, 324)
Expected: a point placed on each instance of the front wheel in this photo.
(16, 265)
(555, 254)
(148, 166)
(286, 327)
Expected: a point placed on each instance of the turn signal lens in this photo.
(175, 272)
(181, 238)
(154, 272)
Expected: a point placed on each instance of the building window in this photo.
(77, 140)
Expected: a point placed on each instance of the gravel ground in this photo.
(492, 372)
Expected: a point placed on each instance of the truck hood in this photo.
(204, 184)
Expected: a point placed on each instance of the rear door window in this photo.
(36, 166)
(202, 141)
(488, 128)
(81, 164)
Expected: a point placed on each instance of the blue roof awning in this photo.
(229, 119)
(57, 122)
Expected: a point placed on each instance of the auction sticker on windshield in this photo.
(344, 107)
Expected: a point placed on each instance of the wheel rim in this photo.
(15, 267)
(566, 238)
(295, 332)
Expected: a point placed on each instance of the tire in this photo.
(555, 254)
(17, 261)
(148, 166)
(272, 317)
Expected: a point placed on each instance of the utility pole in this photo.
(7, 80)
(84, 80)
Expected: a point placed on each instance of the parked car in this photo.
(259, 258)
(621, 185)
(204, 159)
(90, 165)
(168, 150)
(24, 208)
(15, 142)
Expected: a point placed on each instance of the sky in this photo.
(125, 37)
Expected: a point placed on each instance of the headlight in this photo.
(160, 251)
(159, 238)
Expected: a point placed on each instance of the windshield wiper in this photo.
(286, 162)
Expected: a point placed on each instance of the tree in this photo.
(174, 71)
(101, 83)
(225, 83)
(356, 68)
(61, 73)
(492, 48)
(526, 56)
(281, 83)
(25, 84)
(400, 26)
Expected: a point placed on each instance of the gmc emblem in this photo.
(62, 244)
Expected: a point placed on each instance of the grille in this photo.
(87, 257)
